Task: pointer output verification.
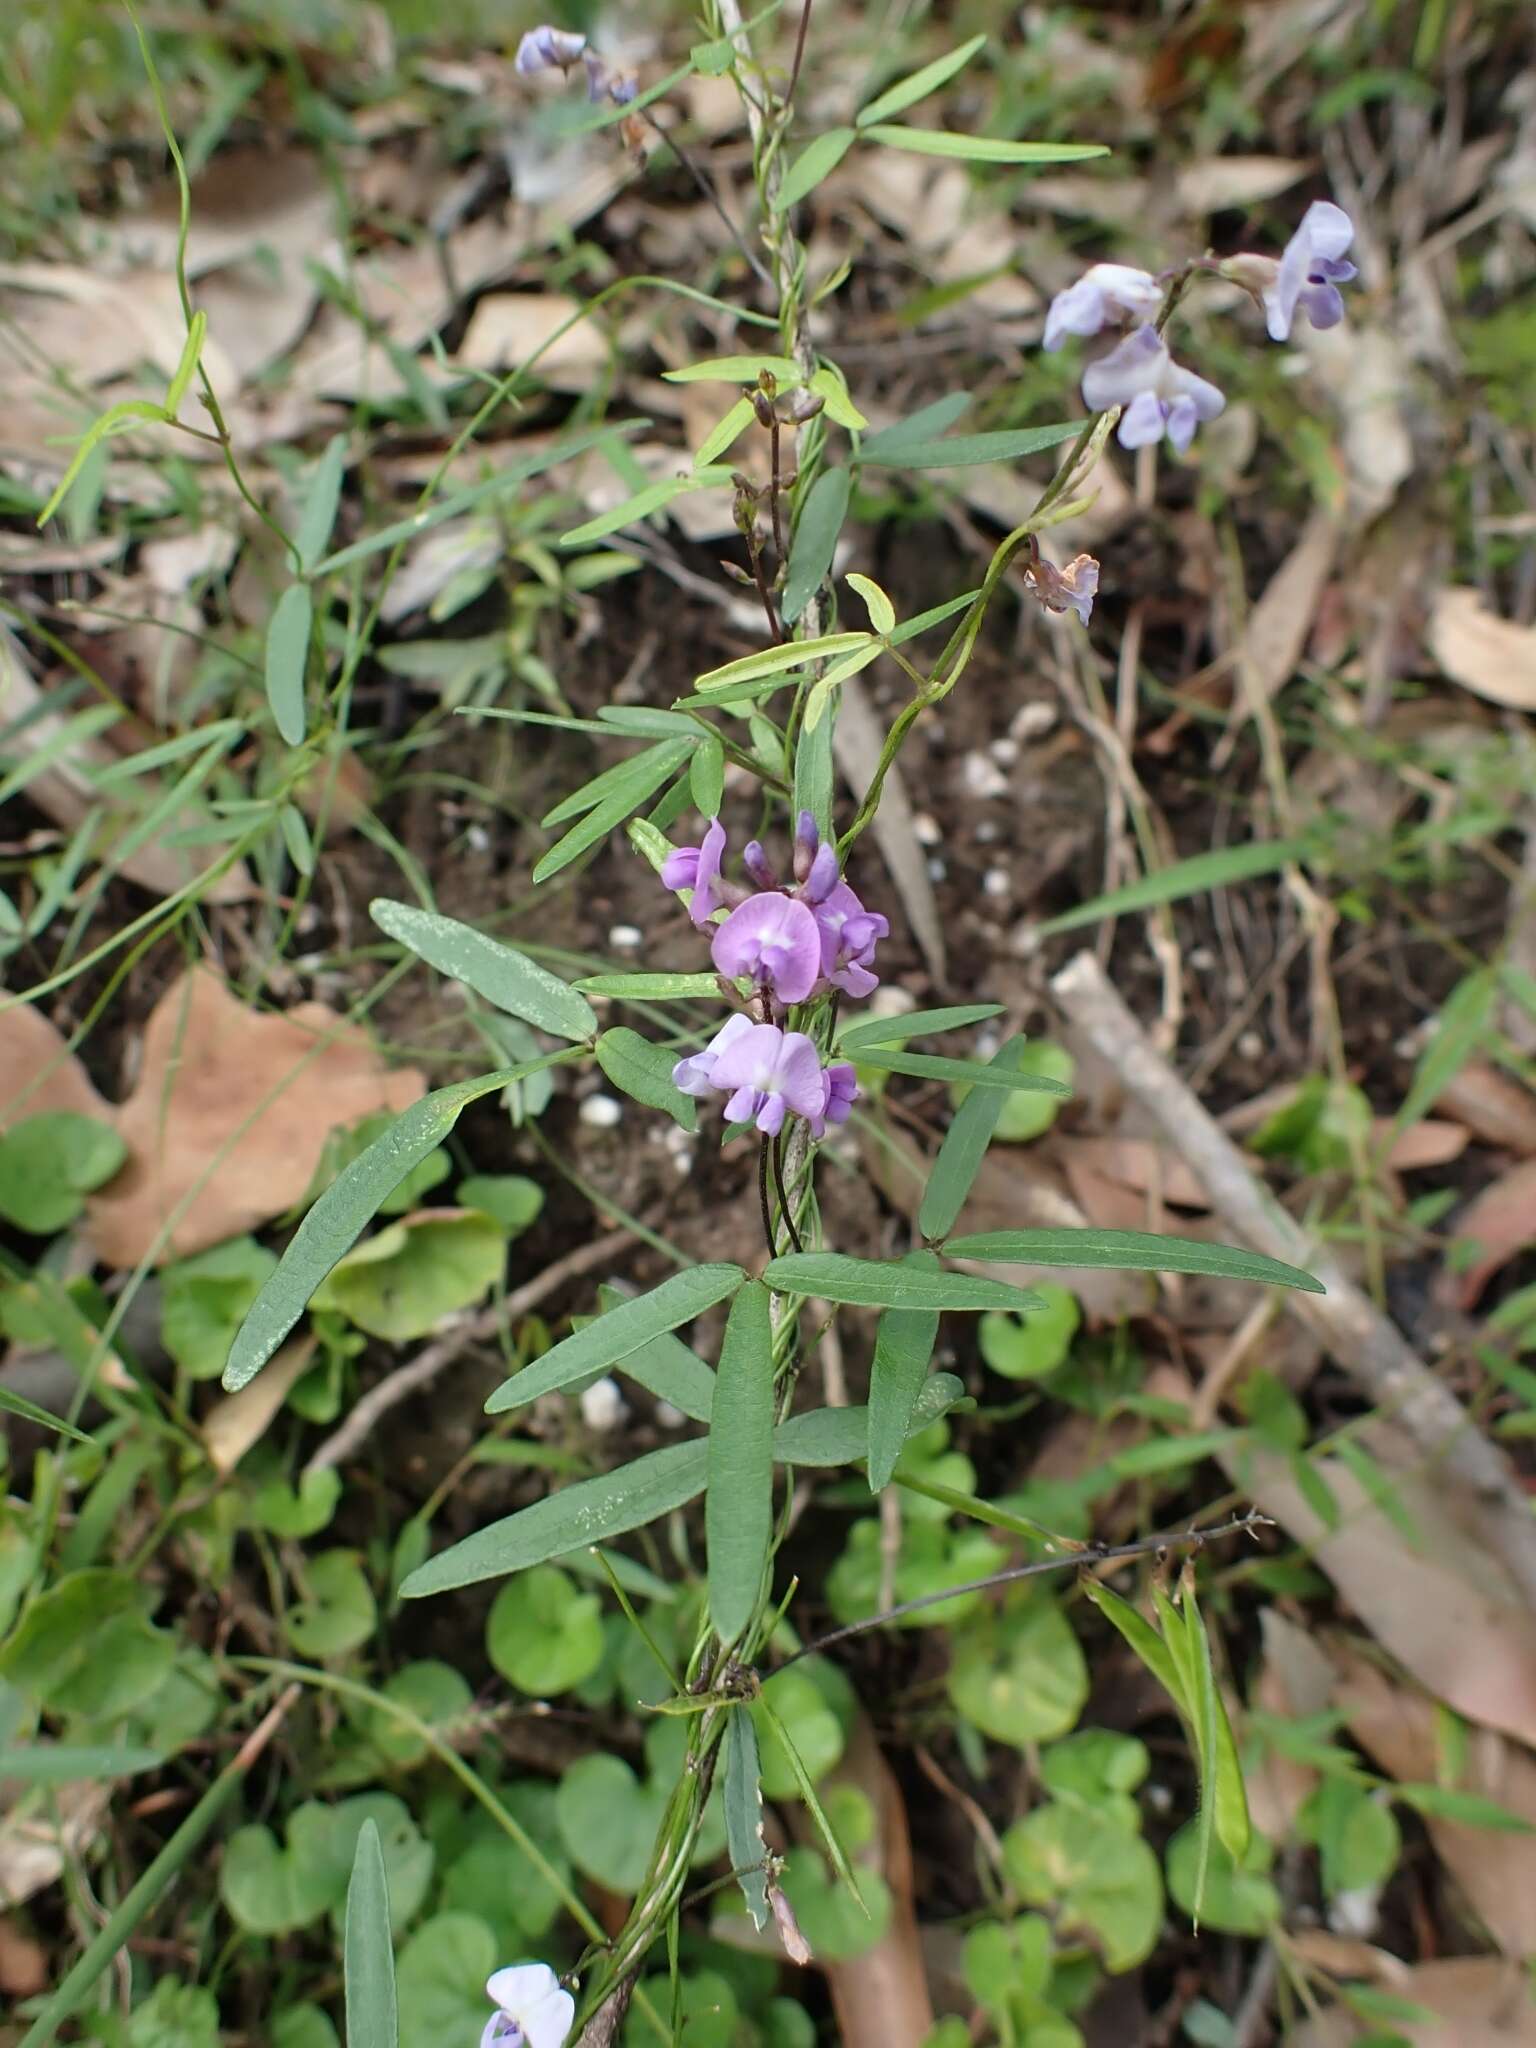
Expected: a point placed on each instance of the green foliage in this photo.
(543, 1634)
(48, 1165)
(337, 1612)
(87, 1647)
(205, 1299)
(1030, 1347)
(271, 1889)
(1017, 1671)
(403, 1280)
(1098, 1877)
(1232, 1898)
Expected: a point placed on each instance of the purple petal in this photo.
(1142, 422)
(1080, 309)
(1323, 304)
(1129, 369)
(1328, 228)
(774, 940)
(798, 1076)
(758, 866)
(822, 877)
(680, 869)
(1182, 422)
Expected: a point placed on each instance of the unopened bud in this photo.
(796, 1947)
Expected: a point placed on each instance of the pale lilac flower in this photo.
(1159, 395)
(839, 1088)
(694, 1075)
(775, 941)
(758, 865)
(848, 934)
(1071, 589)
(1106, 295)
(698, 868)
(769, 1073)
(548, 49)
(1310, 271)
(807, 843)
(534, 2011)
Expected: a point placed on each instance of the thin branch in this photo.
(794, 69)
(1090, 1554)
(754, 262)
(784, 1204)
(408, 1379)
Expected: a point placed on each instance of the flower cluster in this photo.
(532, 2011)
(792, 941)
(557, 49)
(1160, 397)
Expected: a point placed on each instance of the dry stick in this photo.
(405, 1380)
(1371, 1350)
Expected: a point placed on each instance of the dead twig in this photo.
(1369, 1348)
(420, 1372)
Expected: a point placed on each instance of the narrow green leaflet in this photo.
(648, 723)
(121, 418)
(352, 1200)
(706, 776)
(827, 1437)
(812, 780)
(63, 1763)
(744, 1815)
(373, 2020)
(186, 369)
(650, 988)
(644, 1072)
(839, 672)
(287, 659)
(912, 1024)
(647, 772)
(1185, 878)
(903, 1346)
(881, 1283)
(1221, 1774)
(968, 1073)
(876, 601)
(501, 974)
(982, 149)
(736, 370)
(614, 1336)
(1143, 1639)
(917, 85)
(814, 541)
(816, 161)
(727, 429)
(668, 1369)
(738, 1504)
(1460, 1030)
(964, 451)
(964, 1147)
(654, 498)
(18, 1404)
(1129, 1251)
(923, 425)
(772, 661)
(592, 1511)
(836, 1854)
(616, 778)
(320, 503)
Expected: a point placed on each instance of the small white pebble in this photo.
(1024, 941)
(477, 839)
(602, 1405)
(1158, 1796)
(927, 830)
(668, 1417)
(988, 1042)
(1004, 752)
(891, 1000)
(624, 938)
(601, 1111)
(1201, 958)
(1356, 1914)
(1031, 720)
(982, 778)
(1251, 1045)
(996, 882)
(986, 831)
(936, 870)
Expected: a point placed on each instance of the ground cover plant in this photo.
(603, 1446)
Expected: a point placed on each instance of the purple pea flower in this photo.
(1071, 589)
(758, 865)
(769, 1073)
(1310, 271)
(1106, 295)
(848, 935)
(548, 49)
(698, 868)
(775, 941)
(695, 1075)
(533, 2011)
(1159, 395)
(839, 1088)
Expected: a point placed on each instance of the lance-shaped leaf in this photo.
(825, 1437)
(964, 1147)
(903, 1346)
(501, 974)
(287, 658)
(917, 85)
(738, 1508)
(965, 1073)
(644, 1071)
(612, 1337)
(877, 1031)
(639, 780)
(891, 1283)
(744, 1815)
(373, 2019)
(1129, 1251)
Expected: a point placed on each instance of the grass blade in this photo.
(373, 2019)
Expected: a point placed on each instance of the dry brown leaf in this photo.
(1429, 1142)
(1479, 2002)
(1212, 184)
(230, 1115)
(38, 1071)
(1395, 1724)
(1343, 1956)
(24, 1969)
(236, 1421)
(1501, 1221)
(1295, 1680)
(508, 328)
(1281, 620)
(1443, 1608)
(1491, 656)
(37, 1842)
(1137, 1163)
(1492, 1105)
(1366, 372)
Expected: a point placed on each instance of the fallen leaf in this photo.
(38, 1071)
(1343, 1956)
(36, 1842)
(1492, 1105)
(228, 1120)
(24, 1969)
(1365, 369)
(1500, 1222)
(1137, 1163)
(1213, 184)
(1395, 1725)
(236, 1421)
(1484, 653)
(1430, 1142)
(1478, 2002)
(1279, 623)
(508, 328)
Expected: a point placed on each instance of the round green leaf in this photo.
(511, 1198)
(403, 1280)
(609, 1821)
(49, 1163)
(1018, 1671)
(834, 1924)
(175, 2015)
(544, 1635)
(204, 1300)
(87, 1647)
(303, 2026)
(263, 1889)
(1028, 1347)
(440, 1978)
(1101, 1880)
(1236, 1900)
(434, 1692)
(1003, 1960)
(338, 1610)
